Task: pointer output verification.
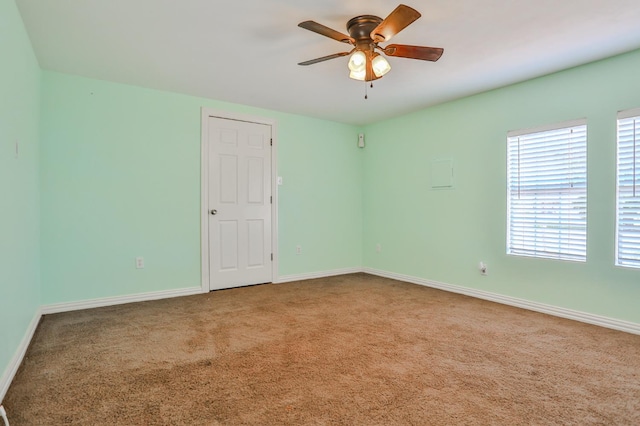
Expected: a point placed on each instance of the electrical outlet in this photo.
(483, 268)
(298, 249)
(378, 248)
(139, 262)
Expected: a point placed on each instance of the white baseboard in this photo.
(118, 300)
(320, 274)
(612, 323)
(14, 364)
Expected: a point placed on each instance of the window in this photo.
(628, 194)
(547, 192)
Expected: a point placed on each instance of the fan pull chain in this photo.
(365, 88)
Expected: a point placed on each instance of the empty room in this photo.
(297, 212)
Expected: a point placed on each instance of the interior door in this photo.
(239, 203)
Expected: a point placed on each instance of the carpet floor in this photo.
(353, 349)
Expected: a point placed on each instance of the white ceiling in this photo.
(246, 51)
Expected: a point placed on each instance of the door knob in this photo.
(214, 212)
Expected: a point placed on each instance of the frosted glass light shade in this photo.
(357, 61)
(380, 66)
(358, 75)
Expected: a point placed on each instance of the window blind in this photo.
(547, 192)
(628, 191)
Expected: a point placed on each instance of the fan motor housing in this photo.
(360, 28)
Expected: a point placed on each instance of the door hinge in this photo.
(272, 257)
(271, 199)
(271, 143)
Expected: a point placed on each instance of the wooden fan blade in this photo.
(397, 21)
(326, 31)
(414, 52)
(324, 58)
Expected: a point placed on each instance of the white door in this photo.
(239, 203)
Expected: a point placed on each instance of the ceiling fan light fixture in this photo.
(380, 65)
(358, 61)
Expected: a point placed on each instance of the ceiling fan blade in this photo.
(324, 58)
(326, 31)
(414, 52)
(397, 21)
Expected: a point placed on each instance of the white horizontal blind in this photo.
(547, 193)
(628, 199)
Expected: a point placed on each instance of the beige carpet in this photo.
(355, 349)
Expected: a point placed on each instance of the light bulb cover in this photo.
(358, 75)
(357, 61)
(380, 65)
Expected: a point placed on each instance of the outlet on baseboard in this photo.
(298, 249)
(139, 262)
(378, 248)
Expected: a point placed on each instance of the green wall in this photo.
(120, 176)
(441, 235)
(19, 251)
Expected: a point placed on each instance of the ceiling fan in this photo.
(365, 34)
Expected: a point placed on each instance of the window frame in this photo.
(562, 254)
(625, 115)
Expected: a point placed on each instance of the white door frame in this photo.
(204, 187)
